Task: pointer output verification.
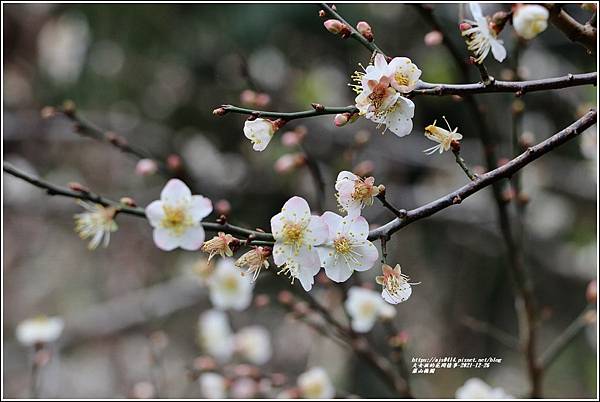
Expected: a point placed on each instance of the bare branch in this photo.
(584, 34)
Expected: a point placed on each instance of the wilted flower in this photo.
(260, 132)
(346, 249)
(296, 233)
(253, 344)
(364, 307)
(220, 244)
(39, 330)
(97, 223)
(396, 288)
(354, 193)
(254, 260)
(529, 20)
(442, 136)
(214, 335)
(315, 384)
(227, 288)
(475, 388)
(213, 385)
(177, 216)
(481, 38)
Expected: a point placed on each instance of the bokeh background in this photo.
(154, 73)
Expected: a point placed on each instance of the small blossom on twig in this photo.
(214, 334)
(97, 223)
(396, 285)
(146, 167)
(221, 244)
(529, 20)
(443, 137)
(365, 30)
(316, 384)
(253, 344)
(254, 260)
(433, 38)
(354, 193)
(481, 38)
(260, 131)
(39, 330)
(289, 162)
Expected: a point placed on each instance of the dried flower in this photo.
(443, 137)
(97, 223)
(481, 38)
(220, 244)
(254, 260)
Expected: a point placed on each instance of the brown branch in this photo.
(584, 34)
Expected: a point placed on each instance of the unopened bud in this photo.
(341, 119)
(455, 145)
(508, 194)
(285, 297)
(222, 207)
(527, 139)
(292, 138)
(146, 167)
(463, 26)
(220, 111)
(78, 187)
(128, 201)
(261, 300)
(289, 162)
(523, 198)
(362, 137)
(321, 13)
(69, 107)
(399, 340)
(248, 97)
(174, 162)
(115, 139)
(334, 26)
(48, 112)
(262, 99)
(433, 38)
(591, 293)
(318, 107)
(365, 30)
(381, 189)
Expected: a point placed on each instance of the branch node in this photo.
(456, 200)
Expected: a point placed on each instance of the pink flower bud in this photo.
(433, 38)
(146, 167)
(262, 100)
(220, 111)
(174, 162)
(289, 162)
(248, 97)
(591, 293)
(222, 207)
(463, 26)
(365, 30)
(341, 119)
(128, 201)
(334, 26)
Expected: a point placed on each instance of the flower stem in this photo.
(463, 165)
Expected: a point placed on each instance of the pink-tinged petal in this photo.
(200, 207)
(338, 272)
(192, 239)
(175, 191)
(155, 213)
(358, 227)
(317, 231)
(380, 62)
(164, 239)
(296, 209)
(350, 205)
(368, 256)
(498, 50)
(333, 221)
(345, 177)
(281, 253)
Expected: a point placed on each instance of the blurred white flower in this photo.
(315, 384)
(177, 216)
(442, 136)
(481, 38)
(260, 132)
(243, 388)
(296, 233)
(354, 193)
(475, 388)
(365, 306)
(39, 330)
(214, 335)
(253, 344)
(213, 386)
(529, 20)
(228, 289)
(146, 167)
(97, 223)
(396, 288)
(346, 249)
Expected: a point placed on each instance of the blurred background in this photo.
(154, 73)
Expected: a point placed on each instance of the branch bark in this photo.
(584, 34)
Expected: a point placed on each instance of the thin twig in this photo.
(494, 332)
(463, 165)
(318, 110)
(584, 34)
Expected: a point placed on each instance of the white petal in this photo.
(175, 192)
(277, 223)
(400, 120)
(363, 325)
(296, 208)
(317, 231)
(281, 253)
(345, 177)
(155, 213)
(192, 239)
(358, 227)
(475, 10)
(498, 50)
(200, 207)
(164, 239)
(338, 271)
(333, 221)
(380, 61)
(368, 255)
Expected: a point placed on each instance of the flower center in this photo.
(362, 192)
(378, 95)
(367, 309)
(175, 219)
(401, 79)
(293, 234)
(314, 389)
(342, 245)
(230, 284)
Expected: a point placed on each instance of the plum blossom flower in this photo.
(253, 344)
(396, 288)
(39, 330)
(346, 249)
(354, 193)
(315, 384)
(296, 233)
(260, 131)
(227, 288)
(529, 20)
(481, 38)
(177, 216)
(442, 136)
(220, 244)
(475, 388)
(215, 336)
(254, 260)
(98, 223)
(365, 306)
(213, 385)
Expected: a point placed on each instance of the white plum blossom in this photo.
(243, 388)
(529, 20)
(177, 217)
(253, 344)
(347, 248)
(39, 330)
(365, 306)
(97, 223)
(354, 193)
(212, 385)
(475, 388)
(228, 288)
(396, 285)
(296, 234)
(260, 131)
(403, 74)
(481, 38)
(442, 136)
(215, 336)
(315, 384)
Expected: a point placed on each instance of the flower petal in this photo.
(200, 207)
(155, 213)
(333, 221)
(317, 231)
(338, 270)
(164, 239)
(175, 192)
(498, 50)
(277, 223)
(192, 239)
(368, 255)
(295, 209)
(345, 177)
(358, 227)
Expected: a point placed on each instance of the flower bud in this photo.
(220, 111)
(321, 13)
(48, 112)
(285, 297)
(334, 26)
(115, 139)
(289, 162)
(341, 119)
(591, 293)
(292, 138)
(365, 30)
(78, 187)
(361, 137)
(174, 162)
(262, 99)
(128, 201)
(261, 300)
(433, 38)
(248, 97)
(69, 107)
(146, 167)
(463, 26)
(222, 207)
(364, 168)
